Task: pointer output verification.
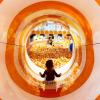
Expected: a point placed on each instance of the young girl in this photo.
(50, 73)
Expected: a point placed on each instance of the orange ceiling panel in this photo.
(98, 1)
(1, 1)
(98, 97)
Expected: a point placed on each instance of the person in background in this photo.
(50, 41)
(69, 37)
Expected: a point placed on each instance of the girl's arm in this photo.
(57, 75)
(42, 75)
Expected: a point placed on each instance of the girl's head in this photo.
(49, 64)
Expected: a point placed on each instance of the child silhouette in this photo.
(49, 74)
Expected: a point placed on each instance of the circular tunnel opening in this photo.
(50, 40)
(49, 37)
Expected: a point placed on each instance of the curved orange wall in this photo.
(11, 40)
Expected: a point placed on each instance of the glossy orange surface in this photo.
(11, 40)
